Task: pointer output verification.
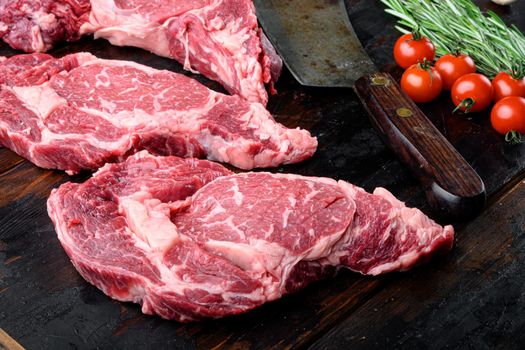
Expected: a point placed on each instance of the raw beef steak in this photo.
(217, 38)
(79, 112)
(189, 240)
(36, 25)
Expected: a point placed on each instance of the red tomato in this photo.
(409, 51)
(509, 115)
(472, 93)
(505, 85)
(453, 67)
(422, 84)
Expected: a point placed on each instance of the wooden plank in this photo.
(8, 160)
(472, 299)
(8, 343)
(286, 323)
(25, 179)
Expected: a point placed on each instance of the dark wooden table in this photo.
(473, 297)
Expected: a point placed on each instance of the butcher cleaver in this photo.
(320, 48)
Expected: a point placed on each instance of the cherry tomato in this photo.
(409, 50)
(509, 115)
(472, 93)
(452, 67)
(505, 85)
(422, 83)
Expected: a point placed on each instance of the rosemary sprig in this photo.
(454, 25)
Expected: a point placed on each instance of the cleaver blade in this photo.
(315, 40)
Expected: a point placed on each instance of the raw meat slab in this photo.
(188, 240)
(79, 112)
(217, 38)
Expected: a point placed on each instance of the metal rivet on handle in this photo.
(380, 80)
(404, 112)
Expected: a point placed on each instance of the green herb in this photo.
(454, 25)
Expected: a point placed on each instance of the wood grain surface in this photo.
(469, 298)
(473, 299)
(8, 343)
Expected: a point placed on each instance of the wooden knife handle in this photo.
(452, 186)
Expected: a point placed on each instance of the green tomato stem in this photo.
(465, 105)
